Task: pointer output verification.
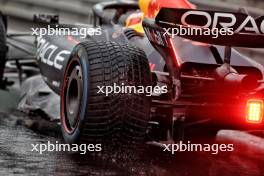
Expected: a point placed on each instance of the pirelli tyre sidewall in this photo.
(79, 59)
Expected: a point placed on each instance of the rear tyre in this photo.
(3, 48)
(88, 115)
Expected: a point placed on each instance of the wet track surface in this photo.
(16, 158)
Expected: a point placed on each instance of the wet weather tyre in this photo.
(89, 115)
(3, 47)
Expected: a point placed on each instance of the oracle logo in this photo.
(240, 23)
(50, 54)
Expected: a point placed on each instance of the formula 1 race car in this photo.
(209, 85)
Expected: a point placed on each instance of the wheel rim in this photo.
(72, 96)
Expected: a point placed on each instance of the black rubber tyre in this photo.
(3, 48)
(91, 117)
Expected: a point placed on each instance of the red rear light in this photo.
(254, 111)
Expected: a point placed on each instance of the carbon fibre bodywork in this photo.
(188, 51)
